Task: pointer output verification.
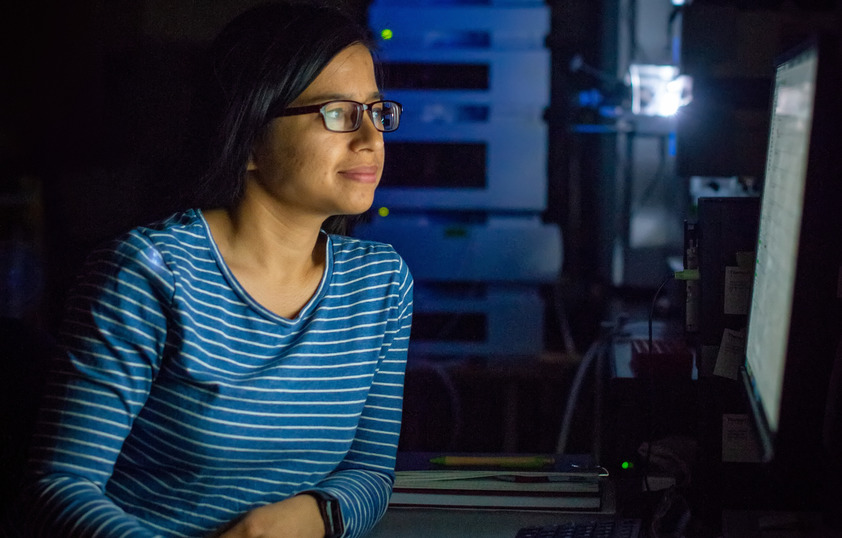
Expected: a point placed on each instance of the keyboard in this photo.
(598, 528)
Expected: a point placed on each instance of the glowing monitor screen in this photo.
(779, 231)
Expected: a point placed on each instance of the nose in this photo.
(367, 135)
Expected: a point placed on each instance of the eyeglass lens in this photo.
(345, 116)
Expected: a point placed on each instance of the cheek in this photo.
(302, 144)
(310, 160)
(291, 158)
(298, 158)
(292, 162)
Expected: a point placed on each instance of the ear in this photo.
(255, 151)
(251, 165)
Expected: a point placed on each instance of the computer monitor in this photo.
(794, 319)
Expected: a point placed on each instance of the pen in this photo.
(521, 479)
(492, 461)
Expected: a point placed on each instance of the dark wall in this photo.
(94, 94)
(100, 89)
(730, 49)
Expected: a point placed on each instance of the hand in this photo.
(295, 517)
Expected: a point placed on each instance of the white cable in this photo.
(594, 351)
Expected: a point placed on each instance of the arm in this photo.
(111, 340)
(294, 517)
(363, 481)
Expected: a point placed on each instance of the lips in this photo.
(363, 174)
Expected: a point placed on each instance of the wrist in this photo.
(330, 512)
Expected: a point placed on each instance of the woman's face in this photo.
(307, 170)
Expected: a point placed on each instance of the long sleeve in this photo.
(111, 341)
(363, 483)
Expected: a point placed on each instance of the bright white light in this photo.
(658, 90)
(668, 105)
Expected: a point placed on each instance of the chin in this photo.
(357, 208)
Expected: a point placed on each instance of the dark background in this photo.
(93, 93)
(92, 98)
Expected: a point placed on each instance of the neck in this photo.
(253, 236)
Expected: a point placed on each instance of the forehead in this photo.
(349, 74)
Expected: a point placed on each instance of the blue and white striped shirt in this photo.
(179, 403)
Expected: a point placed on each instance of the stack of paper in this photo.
(522, 490)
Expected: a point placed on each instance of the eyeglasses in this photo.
(347, 116)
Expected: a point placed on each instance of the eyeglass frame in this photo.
(362, 107)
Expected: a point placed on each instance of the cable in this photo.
(597, 350)
(652, 388)
(563, 323)
(594, 352)
(573, 395)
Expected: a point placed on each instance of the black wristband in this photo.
(331, 513)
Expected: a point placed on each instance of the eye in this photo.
(334, 112)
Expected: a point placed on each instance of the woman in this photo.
(235, 370)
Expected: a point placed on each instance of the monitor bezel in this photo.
(795, 446)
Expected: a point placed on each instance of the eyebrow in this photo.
(323, 98)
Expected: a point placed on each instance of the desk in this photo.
(775, 524)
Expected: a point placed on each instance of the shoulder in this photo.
(185, 227)
(372, 269)
(149, 248)
(350, 252)
(179, 229)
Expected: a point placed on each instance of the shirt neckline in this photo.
(244, 295)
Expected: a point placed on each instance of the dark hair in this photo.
(261, 61)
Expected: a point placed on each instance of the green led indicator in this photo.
(383, 211)
(626, 465)
(386, 34)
